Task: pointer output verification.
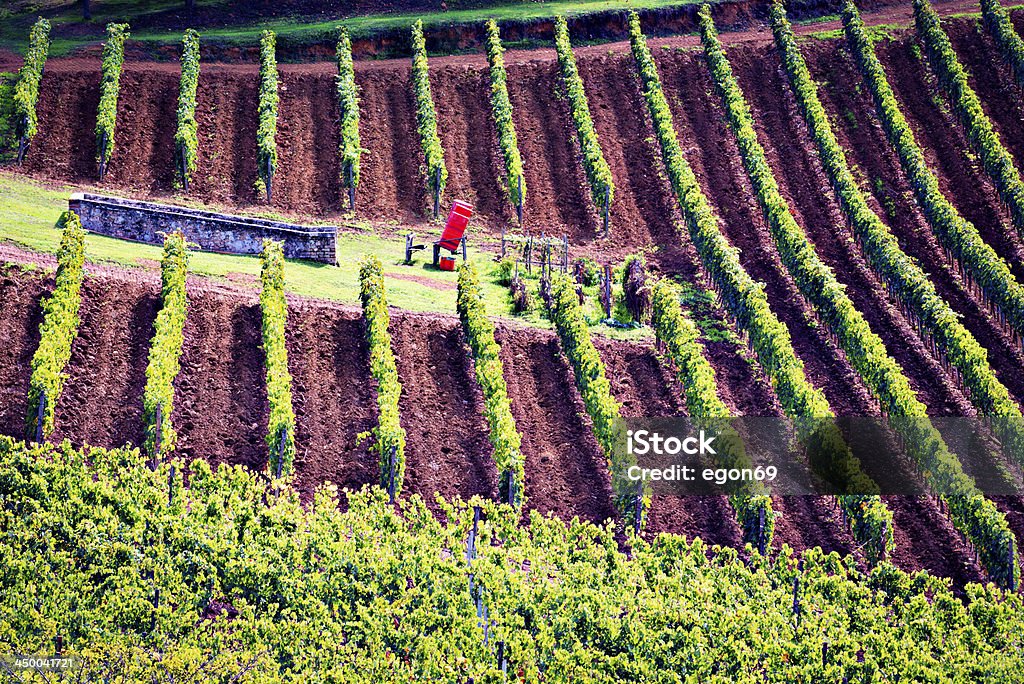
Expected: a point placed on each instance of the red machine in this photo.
(453, 237)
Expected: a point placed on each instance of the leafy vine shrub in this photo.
(8, 126)
(252, 581)
(281, 424)
(599, 174)
(997, 161)
(390, 433)
(110, 86)
(266, 131)
(186, 138)
(957, 235)
(1011, 46)
(426, 116)
(165, 348)
(60, 323)
(746, 303)
(902, 274)
(752, 503)
(636, 288)
(588, 369)
(501, 108)
(348, 104)
(490, 375)
(26, 88)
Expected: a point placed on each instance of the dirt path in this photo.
(221, 408)
(447, 446)
(102, 400)
(309, 176)
(21, 312)
(333, 397)
(854, 120)
(475, 167)
(566, 473)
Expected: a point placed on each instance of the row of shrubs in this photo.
(165, 348)
(747, 303)
(982, 264)
(266, 131)
(681, 342)
(599, 174)
(588, 369)
(348, 104)
(903, 275)
(281, 423)
(501, 108)
(426, 116)
(490, 375)
(186, 136)
(997, 21)
(110, 86)
(59, 328)
(26, 89)
(983, 137)
(389, 432)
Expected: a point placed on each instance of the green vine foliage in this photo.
(957, 235)
(26, 88)
(390, 433)
(599, 174)
(269, 98)
(975, 516)
(747, 304)
(490, 375)
(1011, 46)
(110, 86)
(165, 348)
(255, 586)
(60, 323)
(348, 104)
(997, 161)
(683, 347)
(903, 275)
(501, 108)
(186, 136)
(281, 424)
(588, 369)
(426, 116)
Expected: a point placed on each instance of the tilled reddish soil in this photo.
(925, 539)
(65, 146)
(472, 156)
(391, 185)
(21, 312)
(805, 186)
(333, 397)
(448, 449)
(309, 180)
(854, 120)
(220, 409)
(557, 195)
(102, 400)
(937, 131)
(566, 472)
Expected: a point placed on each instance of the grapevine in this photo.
(281, 423)
(110, 86)
(348, 104)
(266, 132)
(426, 116)
(997, 20)
(186, 139)
(26, 88)
(501, 108)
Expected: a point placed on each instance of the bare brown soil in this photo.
(65, 147)
(566, 473)
(21, 296)
(448, 450)
(853, 118)
(102, 400)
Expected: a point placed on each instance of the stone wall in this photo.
(144, 221)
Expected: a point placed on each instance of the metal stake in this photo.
(607, 206)
(519, 208)
(350, 177)
(391, 475)
(40, 415)
(437, 192)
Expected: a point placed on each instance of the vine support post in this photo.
(184, 167)
(437, 191)
(760, 531)
(349, 181)
(565, 254)
(282, 436)
(607, 290)
(511, 488)
(270, 180)
(1011, 561)
(529, 255)
(519, 201)
(392, 465)
(158, 433)
(40, 416)
(502, 241)
(103, 154)
(23, 141)
(170, 486)
(607, 206)
(638, 507)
